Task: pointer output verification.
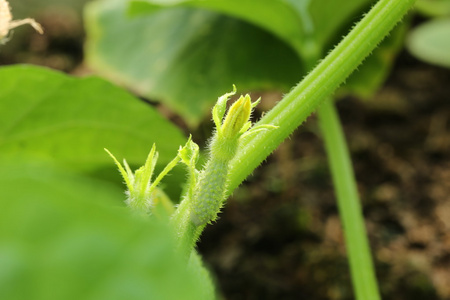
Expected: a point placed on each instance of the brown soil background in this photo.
(279, 236)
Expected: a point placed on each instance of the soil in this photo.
(280, 237)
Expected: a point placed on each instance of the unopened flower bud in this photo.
(237, 117)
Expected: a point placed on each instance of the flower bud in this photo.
(237, 117)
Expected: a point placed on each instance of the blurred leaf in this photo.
(66, 184)
(330, 18)
(317, 24)
(185, 57)
(290, 20)
(433, 8)
(57, 242)
(431, 42)
(49, 115)
(365, 81)
(321, 22)
(60, 237)
(284, 19)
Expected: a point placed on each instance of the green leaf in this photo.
(54, 179)
(309, 27)
(185, 57)
(433, 8)
(284, 20)
(430, 42)
(58, 242)
(291, 20)
(330, 18)
(49, 115)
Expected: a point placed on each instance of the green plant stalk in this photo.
(361, 266)
(296, 106)
(359, 255)
(207, 190)
(362, 271)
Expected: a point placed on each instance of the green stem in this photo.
(296, 106)
(359, 255)
(187, 233)
(357, 244)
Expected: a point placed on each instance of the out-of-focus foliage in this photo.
(185, 53)
(430, 41)
(185, 57)
(57, 242)
(295, 22)
(46, 114)
(285, 23)
(63, 232)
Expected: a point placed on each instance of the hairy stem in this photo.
(296, 106)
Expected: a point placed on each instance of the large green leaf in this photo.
(284, 19)
(431, 42)
(185, 57)
(63, 233)
(184, 54)
(309, 27)
(49, 115)
(57, 242)
(292, 20)
(66, 184)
